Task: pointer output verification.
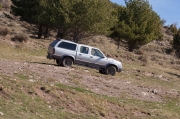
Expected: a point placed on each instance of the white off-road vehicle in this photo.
(67, 53)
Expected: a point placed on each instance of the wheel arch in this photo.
(64, 56)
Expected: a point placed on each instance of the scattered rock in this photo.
(31, 80)
(138, 71)
(127, 82)
(1, 113)
(154, 91)
(86, 70)
(144, 93)
(43, 88)
(160, 76)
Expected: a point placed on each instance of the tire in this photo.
(111, 70)
(58, 62)
(67, 62)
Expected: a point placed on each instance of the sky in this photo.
(169, 10)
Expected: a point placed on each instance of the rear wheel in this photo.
(67, 62)
(111, 70)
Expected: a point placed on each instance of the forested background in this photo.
(136, 24)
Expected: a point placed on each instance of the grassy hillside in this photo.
(33, 87)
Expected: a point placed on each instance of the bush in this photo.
(139, 52)
(20, 37)
(4, 31)
(144, 59)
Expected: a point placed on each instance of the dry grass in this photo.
(21, 37)
(5, 4)
(4, 31)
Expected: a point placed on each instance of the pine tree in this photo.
(87, 16)
(137, 23)
(176, 40)
(173, 28)
(75, 17)
(25, 8)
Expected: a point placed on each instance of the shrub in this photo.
(144, 59)
(20, 37)
(4, 31)
(139, 52)
(176, 41)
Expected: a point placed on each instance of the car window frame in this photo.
(87, 49)
(67, 46)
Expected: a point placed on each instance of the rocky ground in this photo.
(95, 82)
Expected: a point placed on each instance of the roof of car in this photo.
(66, 40)
(75, 43)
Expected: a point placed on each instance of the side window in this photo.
(84, 49)
(96, 52)
(54, 43)
(66, 45)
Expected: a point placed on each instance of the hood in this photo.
(113, 60)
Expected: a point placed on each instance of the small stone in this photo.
(31, 80)
(154, 91)
(1, 113)
(86, 70)
(160, 76)
(138, 71)
(43, 88)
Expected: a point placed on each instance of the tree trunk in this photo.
(46, 33)
(60, 34)
(119, 44)
(132, 45)
(40, 31)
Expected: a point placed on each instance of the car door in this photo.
(82, 56)
(97, 58)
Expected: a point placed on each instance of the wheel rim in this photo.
(111, 71)
(68, 62)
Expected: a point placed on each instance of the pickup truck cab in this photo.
(66, 53)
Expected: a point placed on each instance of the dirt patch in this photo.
(101, 84)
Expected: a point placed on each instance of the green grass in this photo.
(22, 54)
(77, 89)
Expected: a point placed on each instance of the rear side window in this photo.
(84, 50)
(54, 43)
(66, 45)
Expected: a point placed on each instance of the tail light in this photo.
(53, 51)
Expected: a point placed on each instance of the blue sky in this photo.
(168, 10)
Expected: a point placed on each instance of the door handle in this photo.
(80, 54)
(91, 56)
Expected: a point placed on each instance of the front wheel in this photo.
(67, 62)
(111, 70)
